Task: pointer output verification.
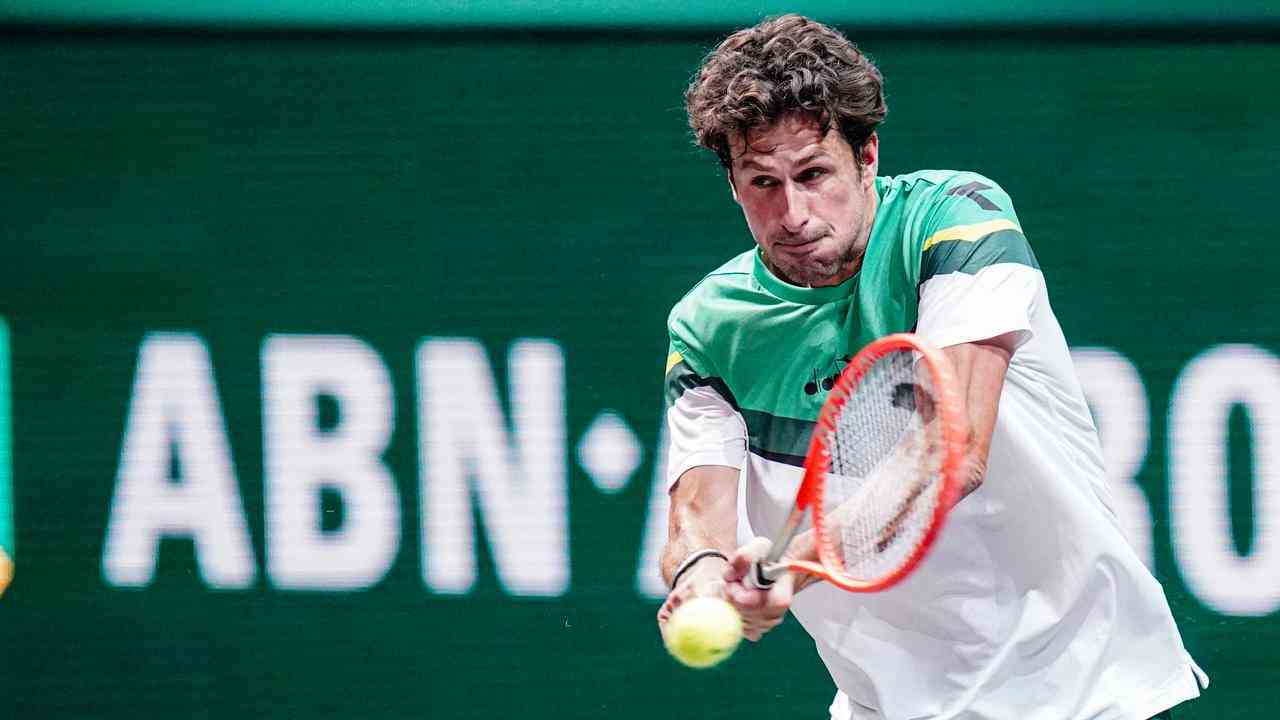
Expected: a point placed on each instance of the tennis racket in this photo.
(882, 471)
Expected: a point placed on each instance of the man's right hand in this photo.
(761, 610)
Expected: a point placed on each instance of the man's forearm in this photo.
(684, 543)
(980, 370)
(704, 515)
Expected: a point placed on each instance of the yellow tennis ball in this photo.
(703, 631)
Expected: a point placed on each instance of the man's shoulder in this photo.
(731, 279)
(704, 323)
(929, 202)
(924, 186)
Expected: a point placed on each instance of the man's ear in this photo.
(870, 160)
(733, 189)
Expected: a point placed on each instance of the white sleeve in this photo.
(703, 429)
(959, 307)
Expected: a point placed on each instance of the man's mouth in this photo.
(798, 244)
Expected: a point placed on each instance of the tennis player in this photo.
(1032, 605)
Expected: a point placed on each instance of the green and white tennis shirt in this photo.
(1031, 605)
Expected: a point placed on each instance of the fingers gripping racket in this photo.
(882, 471)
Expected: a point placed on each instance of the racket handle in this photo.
(758, 578)
(764, 572)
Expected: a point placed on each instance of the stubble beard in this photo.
(817, 273)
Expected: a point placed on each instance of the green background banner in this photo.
(520, 14)
(308, 277)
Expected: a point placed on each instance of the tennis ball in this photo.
(703, 631)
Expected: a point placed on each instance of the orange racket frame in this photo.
(954, 427)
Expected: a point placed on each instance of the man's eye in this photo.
(812, 174)
(763, 181)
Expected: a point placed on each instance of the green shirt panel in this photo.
(765, 348)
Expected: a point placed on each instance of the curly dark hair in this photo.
(788, 64)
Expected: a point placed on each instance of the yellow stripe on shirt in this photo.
(672, 360)
(970, 233)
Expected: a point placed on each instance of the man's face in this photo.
(807, 201)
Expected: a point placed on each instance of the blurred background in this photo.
(332, 335)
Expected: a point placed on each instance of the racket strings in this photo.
(881, 487)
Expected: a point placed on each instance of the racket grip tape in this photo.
(757, 578)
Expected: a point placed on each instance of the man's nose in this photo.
(796, 208)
